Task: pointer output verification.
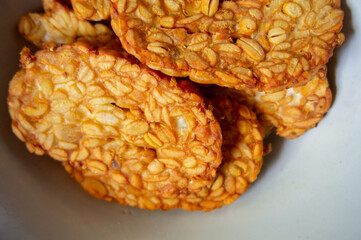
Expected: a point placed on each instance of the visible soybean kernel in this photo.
(105, 61)
(152, 140)
(30, 147)
(118, 177)
(17, 132)
(209, 7)
(246, 151)
(197, 170)
(137, 167)
(130, 200)
(171, 5)
(131, 6)
(84, 9)
(92, 129)
(172, 152)
(167, 21)
(106, 118)
(107, 157)
(58, 154)
(155, 167)
(217, 183)
(37, 110)
(68, 132)
(247, 25)
(135, 181)
(121, 4)
(85, 74)
(97, 166)
(159, 48)
(157, 10)
(97, 152)
(276, 35)
(144, 12)
(25, 123)
(234, 170)
(252, 48)
(230, 184)
(92, 142)
(257, 151)
(55, 69)
(189, 162)
(39, 151)
(242, 165)
(79, 155)
(170, 201)
(217, 193)
(169, 162)
(67, 145)
(200, 151)
(292, 9)
(49, 142)
(94, 187)
(137, 128)
(256, 13)
(159, 37)
(227, 47)
(210, 55)
(46, 86)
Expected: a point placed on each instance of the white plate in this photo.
(309, 188)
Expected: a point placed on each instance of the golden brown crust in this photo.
(242, 150)
(252, 44)
(291, 112)
(105, 114)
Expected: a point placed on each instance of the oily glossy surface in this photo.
(308, 188)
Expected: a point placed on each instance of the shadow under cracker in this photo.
(348, 31)
(277, 143)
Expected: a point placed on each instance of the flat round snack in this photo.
(59, 25)
(291, 112)
(108, 115)
(242, 150)
(246, 44)
(94, 10)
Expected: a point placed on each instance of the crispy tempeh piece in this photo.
(242, 150)
(291, 112)
(261, 45)
(105, 114)
(59, 25)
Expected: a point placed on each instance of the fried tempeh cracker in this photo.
(103, 113)
(261, 45)
(242, 150)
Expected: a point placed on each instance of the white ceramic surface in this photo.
(309, 188)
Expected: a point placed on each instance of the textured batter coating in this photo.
(291, 112)
(110, 116)
(95, 10)
(59, 25)
(246, 44)
(242, 150)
